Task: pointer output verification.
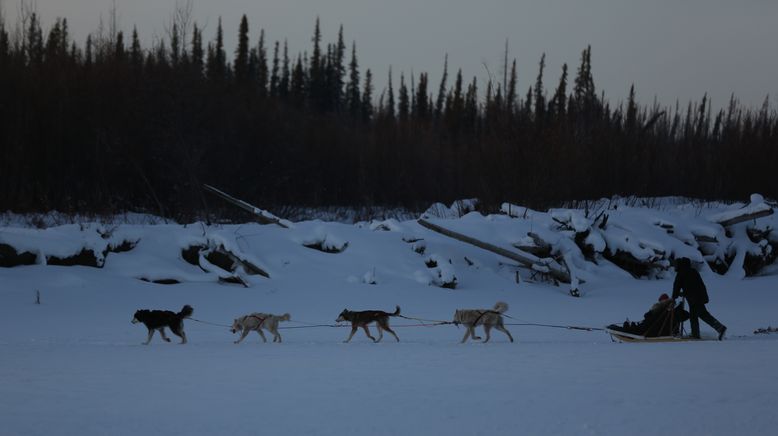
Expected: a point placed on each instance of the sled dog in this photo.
(157, 320)
(488, 318)
(256, 322)
(362, 319)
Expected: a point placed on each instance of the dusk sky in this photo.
(669, 49)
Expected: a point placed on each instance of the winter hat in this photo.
(663, 297)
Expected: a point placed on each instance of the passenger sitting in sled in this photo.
(663, 319)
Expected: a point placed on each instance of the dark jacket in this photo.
(662, 320)
(689, 281)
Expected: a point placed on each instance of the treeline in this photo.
(110, 126)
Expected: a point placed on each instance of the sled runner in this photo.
(620, 336)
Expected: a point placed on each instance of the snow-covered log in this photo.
(526, 259)
(222, 270)
(747, 217)
(758, 208)
(262, 216)
(535, 245)
(228, 263)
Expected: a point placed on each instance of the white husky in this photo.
(488, 318)
(256, 322)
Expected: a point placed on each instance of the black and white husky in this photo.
(488, 318)
(157, 320)
(256, 322)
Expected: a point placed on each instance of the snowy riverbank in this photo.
(74, 364)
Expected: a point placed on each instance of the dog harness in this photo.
(484, 312)
(261, 320)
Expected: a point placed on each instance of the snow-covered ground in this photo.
(75, 364)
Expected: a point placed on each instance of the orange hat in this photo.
(663, 297)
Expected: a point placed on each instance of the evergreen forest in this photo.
(108, 125)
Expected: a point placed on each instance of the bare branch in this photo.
(26, 9)
(180, 22)
(113, 23)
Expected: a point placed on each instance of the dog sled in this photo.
(662, 323)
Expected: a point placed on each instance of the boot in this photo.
(722, 330)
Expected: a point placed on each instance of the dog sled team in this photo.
(158, 320)
(663, 321)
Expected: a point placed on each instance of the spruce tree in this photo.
(64, 37)
(422, 107)
(328, 83)
(560, 96)
(316, 58)
(56, 48)
(262, 71)
(136, 53)
(52, 43)
(316, 70)
(390, 113)
(340, 70)
(283, 89)
(457, 103)
(88, 54)
(367, 98)
(488, 101)
(274, 78)
(119, 50)
(210, 63)
(499, 101)
(584, 91)
(442, 89)
(353, 99)
(527, 110)
(511, 96)
(34, 41)
(197, 50)
(242, 53)
(297, 82)
(253, 68)
(217, 58)
(404, 103)
(471, 105)
(631, 117)
(175, 46)
(540, 98)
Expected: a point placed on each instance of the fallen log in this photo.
(220, 257)
(704, 238)
(747, 214)
(629, 263)
(262, 216)
(224, 275)
(533, 249)
(525, 259)
(746, 217)
(535, 246)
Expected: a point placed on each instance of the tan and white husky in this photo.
(488, 318)
(257, 322)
